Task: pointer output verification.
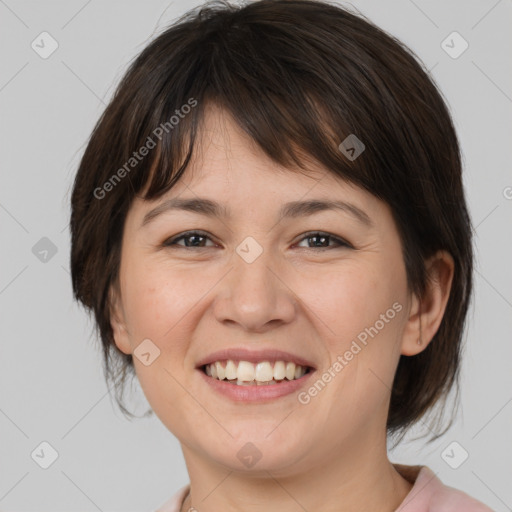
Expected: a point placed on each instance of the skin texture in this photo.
(328, 455)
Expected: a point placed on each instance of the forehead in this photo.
(224, 153)
(228, 167)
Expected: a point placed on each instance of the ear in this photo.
(427, 312)
(117, 321)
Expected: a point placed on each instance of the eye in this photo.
(322, 240)
(197, 239)
(191, 238)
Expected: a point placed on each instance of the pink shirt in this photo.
(428, 494)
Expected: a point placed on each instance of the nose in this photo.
(255, 295)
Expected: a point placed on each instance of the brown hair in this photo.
(298, 76)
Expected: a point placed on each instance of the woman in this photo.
(270, 227)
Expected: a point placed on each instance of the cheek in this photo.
(358, 312)
(160, 304)
(345, 301)
(158, 299)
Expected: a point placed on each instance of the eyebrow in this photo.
(292, 209)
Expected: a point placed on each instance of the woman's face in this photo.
(256, 280)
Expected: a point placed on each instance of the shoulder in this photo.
(174, 503)
(450, 499)
(429, 494)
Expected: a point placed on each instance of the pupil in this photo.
(195, 237)
(322, 238)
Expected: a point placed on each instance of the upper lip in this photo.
(253, 356)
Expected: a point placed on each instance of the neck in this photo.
(350, 481)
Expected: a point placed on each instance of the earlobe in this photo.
(427, 312)
(117, 322)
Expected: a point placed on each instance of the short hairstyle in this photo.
(298, 76)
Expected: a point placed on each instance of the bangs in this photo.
(297, 144)
(292, 110)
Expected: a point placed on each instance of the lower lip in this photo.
(254, 393)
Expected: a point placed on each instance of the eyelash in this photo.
(172, 242)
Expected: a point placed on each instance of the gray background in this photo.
(51, 383)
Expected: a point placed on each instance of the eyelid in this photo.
(171, 242)
(339, 240)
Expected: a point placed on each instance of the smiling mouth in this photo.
(264, 373)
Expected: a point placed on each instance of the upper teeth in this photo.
(264, 371)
